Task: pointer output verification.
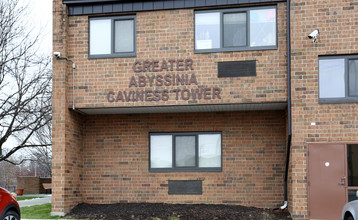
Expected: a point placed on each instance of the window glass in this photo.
(353, 77)
(352, 154)
(234, 29)
(184, 151)
(124, 36)
(352, 195)
(262, 27)
(194, 151)
(207, 30)
(100, 36)
(210, 150)
(331, 78)
(161, 151)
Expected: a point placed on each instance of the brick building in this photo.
(206, 101)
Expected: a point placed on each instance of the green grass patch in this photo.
(38, 212)
(26, 198)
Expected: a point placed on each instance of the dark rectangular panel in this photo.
(87, 9)
(108, 8)
(185, 187)
(199, 3)
(79, 2)
(147, 6)
(178, 3)
(117, 7)
(128, 7)
(211, 2)
(97, 9)
(138, 6)
(168, 4)
(158, 5)
(77, 10)
(189, 3)
(237, 68)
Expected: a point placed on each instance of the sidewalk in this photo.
(38, 201)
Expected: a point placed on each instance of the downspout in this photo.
(288, 100)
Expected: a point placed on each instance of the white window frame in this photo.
(237, 48)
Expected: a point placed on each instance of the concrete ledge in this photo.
(58, 214)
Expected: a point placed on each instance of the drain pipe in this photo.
(58, 56)
(288, 100)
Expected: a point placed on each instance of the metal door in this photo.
(326, 180)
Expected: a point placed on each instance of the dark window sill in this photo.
(208, 169)
(236, 49)
(338, 100)
(119, 55)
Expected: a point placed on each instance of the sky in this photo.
(41, 16)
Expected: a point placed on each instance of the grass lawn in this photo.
(26, 198)
(38, 212)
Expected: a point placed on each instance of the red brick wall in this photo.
(116, 157)
(162, 36)
(253, 142)
(31, 185)
(67, 125)
(337, 23)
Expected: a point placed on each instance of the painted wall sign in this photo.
(141, 85)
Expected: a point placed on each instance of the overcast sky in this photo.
(41, 16)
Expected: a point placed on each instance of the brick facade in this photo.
(162, 36)
(116, 154)
(104, 158)
(337, 23)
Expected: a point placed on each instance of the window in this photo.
(338, 79)
(112, 37)
(235, 29)
(195, 151)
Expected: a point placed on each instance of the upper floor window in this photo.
(338, 79)
(235, 29)
(112, 37)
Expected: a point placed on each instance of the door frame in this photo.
(309, 145)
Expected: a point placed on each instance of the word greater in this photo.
(159, 66)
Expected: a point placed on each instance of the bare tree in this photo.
(25, 82)
(8, 173)
(42, 156)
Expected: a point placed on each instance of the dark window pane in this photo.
(234, 29)
(185, 151)
(352, 195)
(124, 36)
(352, 164)
(353, 77)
